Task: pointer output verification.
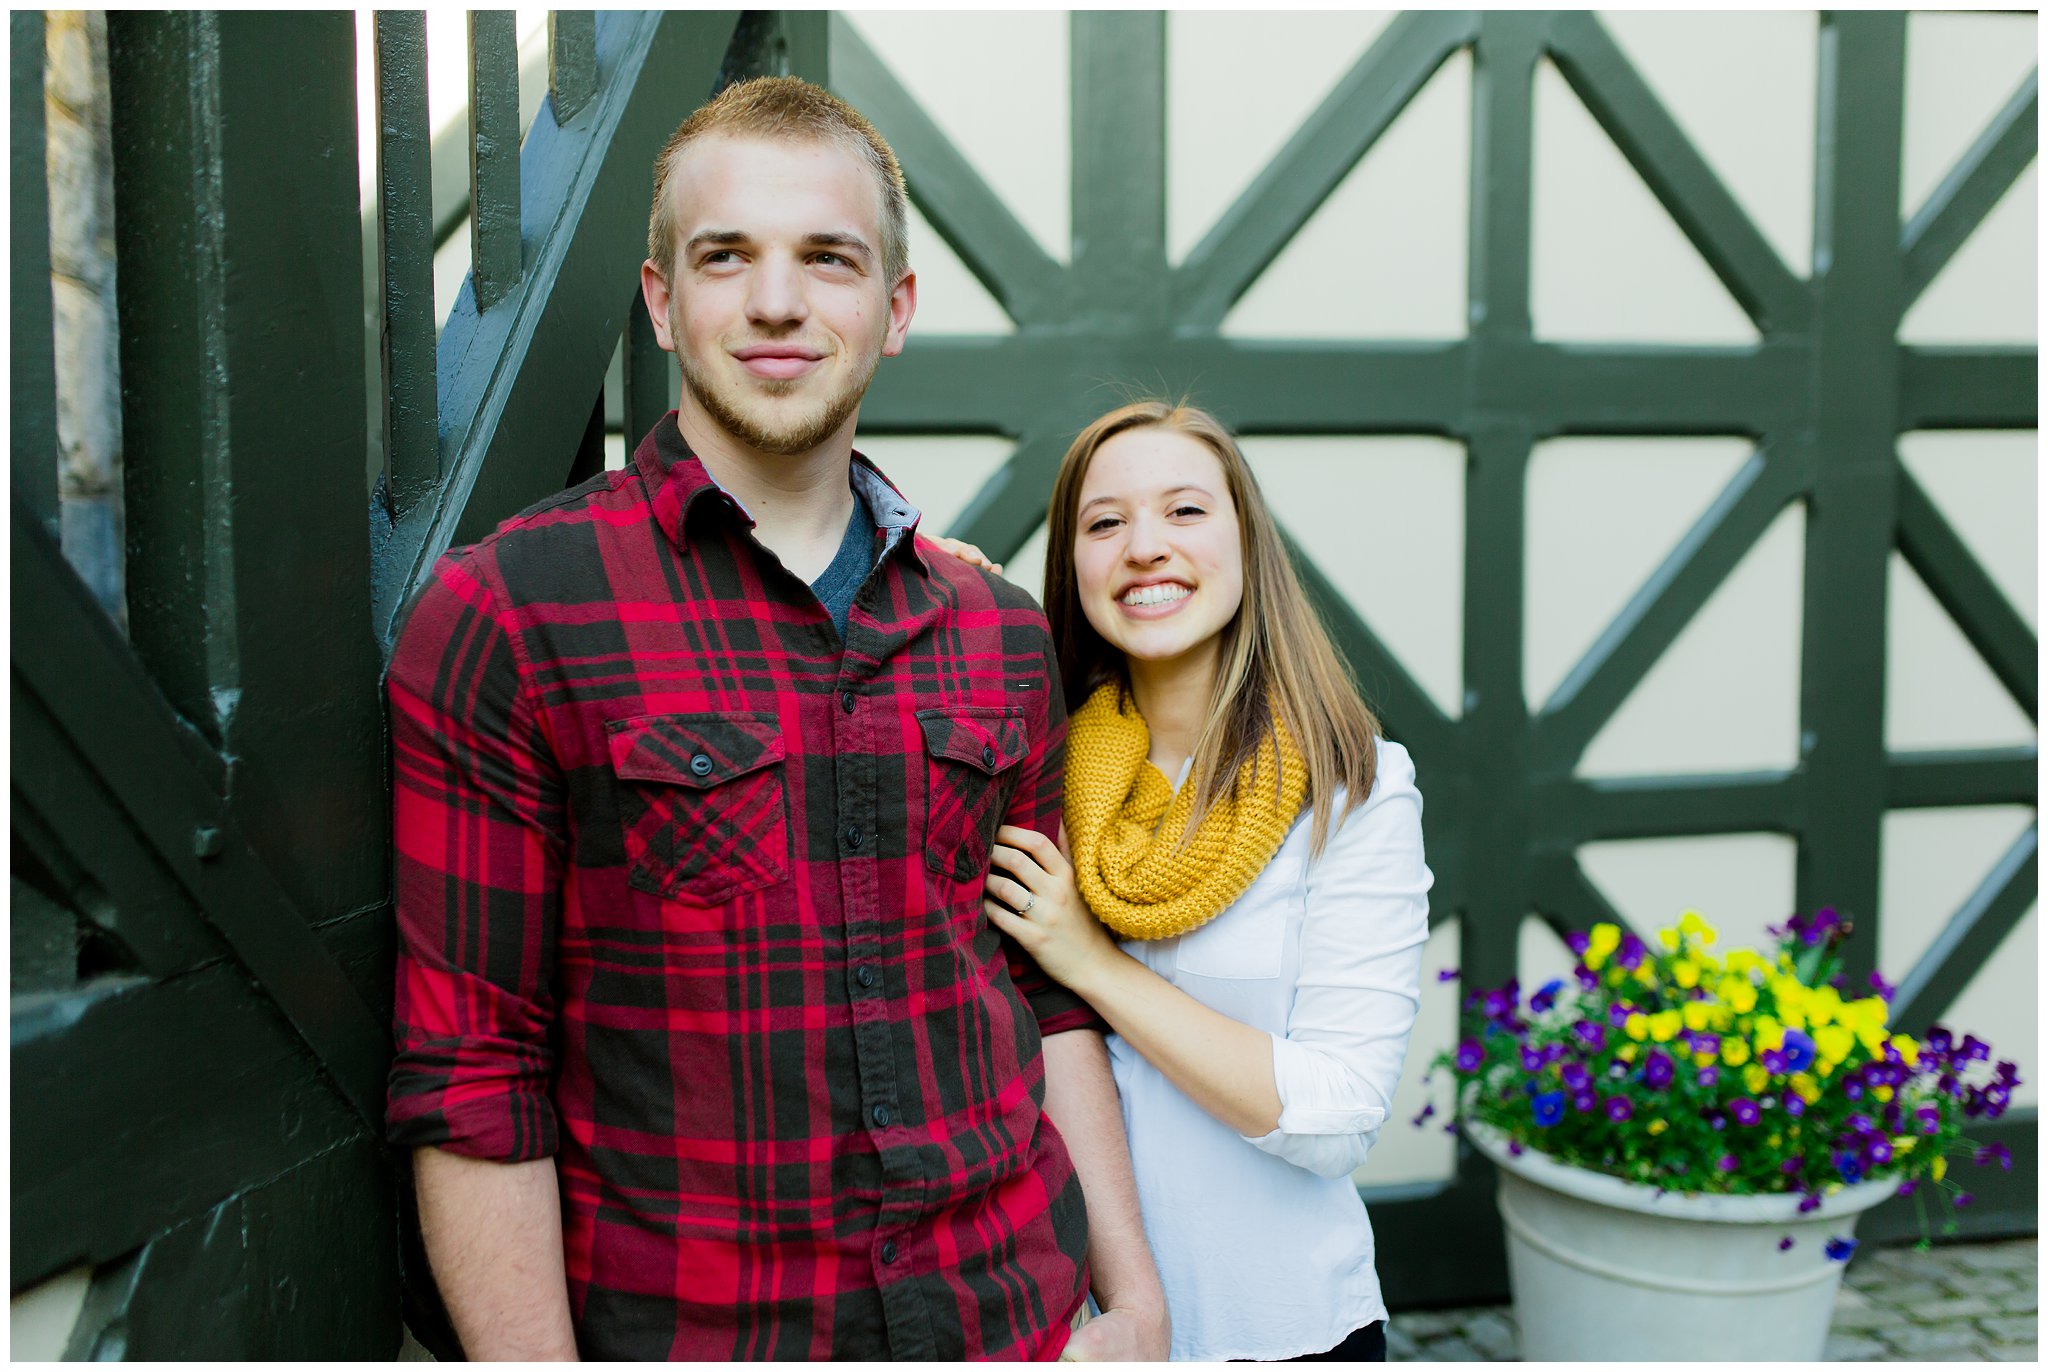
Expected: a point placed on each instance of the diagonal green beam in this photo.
(83, 675)
(1976, 183)
(1402, 705)
(1624, 105)
(32, 375)
(1968, 388)
(1978, 776)
(1973, 600)
(1972, 935)
(1315, 160)
(1000, 252)
(1566, 899)
(1662, 607)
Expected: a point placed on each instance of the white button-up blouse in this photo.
(1262, 1243)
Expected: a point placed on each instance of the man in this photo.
(705, 1047)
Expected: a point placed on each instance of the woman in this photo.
(1245, 903)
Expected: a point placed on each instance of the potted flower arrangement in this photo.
(1703, 1130)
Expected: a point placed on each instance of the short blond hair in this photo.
(790, 108)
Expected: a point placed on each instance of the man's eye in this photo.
(720, 257)
(831, 259)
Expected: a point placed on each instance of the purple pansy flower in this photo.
(1809, 1202)
(1578, 941)
(1470, 1055)
(1657, 1070)
(1792, 1164)
(1794, 1106)
(1839, 1249)
(1532, 1059)
(1963, 1198)
(1726, 1162)
(1619, 1109)
(1594, 1036)
(1878, 1151)
(1588, 979)
(1884, 989)
(1546, 996)
(1548, 1107)
(1584, 1101)
(1447, 974)
(1427, 1111)
(1745, 1110)
(1908, 1187)
(1784, 1243)
(1630, 955)
(1798, 1049)
(1993, 1152)
(1709, 1076)
(1974, 1049)
(1575, 1076)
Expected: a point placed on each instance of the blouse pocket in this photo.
(701, 804)
(1248, 941)
(972, 754)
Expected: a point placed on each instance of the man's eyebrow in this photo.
(848, 241)
(714, 237)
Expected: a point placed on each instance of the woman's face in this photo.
(1157, 559)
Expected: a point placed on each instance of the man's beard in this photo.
(801, 433)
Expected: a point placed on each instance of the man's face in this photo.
(775, 305)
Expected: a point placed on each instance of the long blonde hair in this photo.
(1274, 652)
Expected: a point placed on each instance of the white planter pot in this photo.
(1609, 1270)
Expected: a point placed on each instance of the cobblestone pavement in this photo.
(1960, 1302)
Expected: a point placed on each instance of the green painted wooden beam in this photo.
(1624, 105)
(153, 1101)
(2005, 641)
(32, 377)
(1987, 776)
(1967, 942)
(496, 253)
(516, 382)
(405, 232)
(1576, 810)
(572, 61)
(1316, 158)
(1851, 512)
(975, 223)
(1118, 170)
(1968, 388)
(1973, 186)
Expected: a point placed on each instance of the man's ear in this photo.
(902, 305)
(654, 290)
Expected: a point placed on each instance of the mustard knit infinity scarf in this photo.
(1124, 823)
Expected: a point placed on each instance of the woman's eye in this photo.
(1190, 510)
(1106, 522)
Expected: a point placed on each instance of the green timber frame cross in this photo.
(201, 914)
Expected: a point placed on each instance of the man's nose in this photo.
(775, 291)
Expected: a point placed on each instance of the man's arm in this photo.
(477, 824)
(1081, 1099)
(493, 1232)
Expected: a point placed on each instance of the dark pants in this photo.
(1360, 1345)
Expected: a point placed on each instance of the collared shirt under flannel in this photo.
(690, 900)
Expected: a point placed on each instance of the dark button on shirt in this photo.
(636, 963)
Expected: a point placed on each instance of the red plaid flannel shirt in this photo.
(690, 900)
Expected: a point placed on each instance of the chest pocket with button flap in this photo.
(701, 805)
(972, 754)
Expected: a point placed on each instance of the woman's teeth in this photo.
(1154, 595)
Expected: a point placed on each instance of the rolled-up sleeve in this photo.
(1366, 921)
(478, 825)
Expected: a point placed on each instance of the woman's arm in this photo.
(1316, 1095)
(1223, 1066)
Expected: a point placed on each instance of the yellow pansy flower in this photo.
(1909, 1051)
(1686, 973)
(1755, 1077)
(1734, 1052)
(1646, 974)
(1664, 1025)
(1873, 1038)
(1824, 1006)
(1601, 940)
(1636, 1026)
(1658, 1126)
(1883, 1093)
(1692, 926)
(1769, 1033)
(1704, 1059)
(1627, 1052)
(1905, 1143)
(1739, 994)
(1741, 962)
(1805, 1087)
(1696, 1015)
(1940, 1169)
(1824, 1067)
(1669, 938)
(1834, 1043)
